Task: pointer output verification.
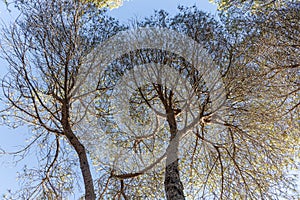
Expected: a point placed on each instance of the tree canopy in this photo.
(253, 5)
(45, 50)
(176, 107)
(105, 3)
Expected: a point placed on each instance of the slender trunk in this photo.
(173, 184)
(82, 155)
(84, 166)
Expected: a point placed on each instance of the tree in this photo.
(45, 49)
(225, 150)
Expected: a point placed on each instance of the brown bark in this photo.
(84, 166)
(82, 155)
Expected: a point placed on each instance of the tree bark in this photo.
(84, 166)
(82, 155)
(173, 185)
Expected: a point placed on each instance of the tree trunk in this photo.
(82, 155)
(173, 184)
(84, 166)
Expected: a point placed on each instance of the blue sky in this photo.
(11, 139)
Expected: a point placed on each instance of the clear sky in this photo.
(11, 139)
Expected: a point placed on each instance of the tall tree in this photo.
(45, 50)
(227, 150)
